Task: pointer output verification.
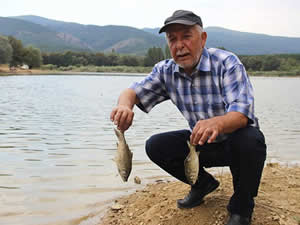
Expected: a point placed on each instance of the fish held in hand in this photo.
(123, 157)
(191, 164)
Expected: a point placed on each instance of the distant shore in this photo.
(88, 70)
(118, 71)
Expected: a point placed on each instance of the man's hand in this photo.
(209, 129)
(206, 130)
(122, 116)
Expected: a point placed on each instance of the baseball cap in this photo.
(182, 17)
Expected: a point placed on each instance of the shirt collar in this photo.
(204, 63)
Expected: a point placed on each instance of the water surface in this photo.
(57, 143)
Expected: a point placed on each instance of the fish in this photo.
(191, 164)
(123, 157)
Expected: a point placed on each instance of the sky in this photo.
(273, 17)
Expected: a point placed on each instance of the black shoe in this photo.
(196, 195)
(236, 219)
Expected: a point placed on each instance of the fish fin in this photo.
(131, 154)
(188, 143)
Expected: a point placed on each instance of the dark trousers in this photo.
(244, 152)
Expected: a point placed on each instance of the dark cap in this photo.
(182, 17)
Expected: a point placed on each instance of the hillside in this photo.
(53, 35)
(251, 43)
(94, 38)
(36, 35)
(246, 43)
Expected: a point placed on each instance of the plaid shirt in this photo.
(218, 85)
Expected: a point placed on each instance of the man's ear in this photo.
(203, 38)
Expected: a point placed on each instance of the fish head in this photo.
(124, 174)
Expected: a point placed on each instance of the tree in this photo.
(33, 57)
(167, 52)
(5, 50)
(112, 59)
(129, 60)
(18, 52)
(153, 56)
(253, 63)
(270, 62)
(100, 59)
(222, 48)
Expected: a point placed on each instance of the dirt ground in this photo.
(278, 202)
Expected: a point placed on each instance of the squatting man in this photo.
(212, 90)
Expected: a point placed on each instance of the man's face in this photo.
(186, 44)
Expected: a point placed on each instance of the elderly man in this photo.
(212, 90)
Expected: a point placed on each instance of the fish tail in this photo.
(191, 147)
(188, 143)
(119, 134)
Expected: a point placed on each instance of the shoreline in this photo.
(276, 203)
(111, 71)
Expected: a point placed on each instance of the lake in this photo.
(57, 143)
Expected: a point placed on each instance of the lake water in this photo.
(57, 143)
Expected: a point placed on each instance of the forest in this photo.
(13, 53)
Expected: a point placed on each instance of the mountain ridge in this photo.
(54, 35)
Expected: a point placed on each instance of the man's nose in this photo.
(179, 44)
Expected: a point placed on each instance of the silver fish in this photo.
(191, 164)
(123, 157)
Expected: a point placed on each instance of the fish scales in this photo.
(123, 156)
(191, 164)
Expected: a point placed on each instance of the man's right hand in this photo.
(122, 116)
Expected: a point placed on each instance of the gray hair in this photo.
(198, 28)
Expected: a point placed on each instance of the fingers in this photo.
(205, 136)
(196, 135)
(112, 114)
(212, 137)
(200, 136)
(204, 132)
(122, 117)
(118, 117)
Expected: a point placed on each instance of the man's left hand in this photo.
(206, 130)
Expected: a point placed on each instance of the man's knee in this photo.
(149, 146)
(152, 146)
(249, 142)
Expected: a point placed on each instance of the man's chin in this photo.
(186, 67)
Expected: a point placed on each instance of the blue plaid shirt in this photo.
(218, 85)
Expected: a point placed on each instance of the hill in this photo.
(245, 43)
(74, 36)
(53, 35)
(36, 35)
(251, 43)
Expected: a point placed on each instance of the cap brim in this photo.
(184, 22)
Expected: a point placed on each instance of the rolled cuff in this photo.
(245, 110)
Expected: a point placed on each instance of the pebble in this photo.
(137, 180)
(117, 206)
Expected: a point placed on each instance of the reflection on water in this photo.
(57, 143)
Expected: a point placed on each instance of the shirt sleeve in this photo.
(151, 90)
(238, 92)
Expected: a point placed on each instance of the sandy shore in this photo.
(4, 70)
(278, 202)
